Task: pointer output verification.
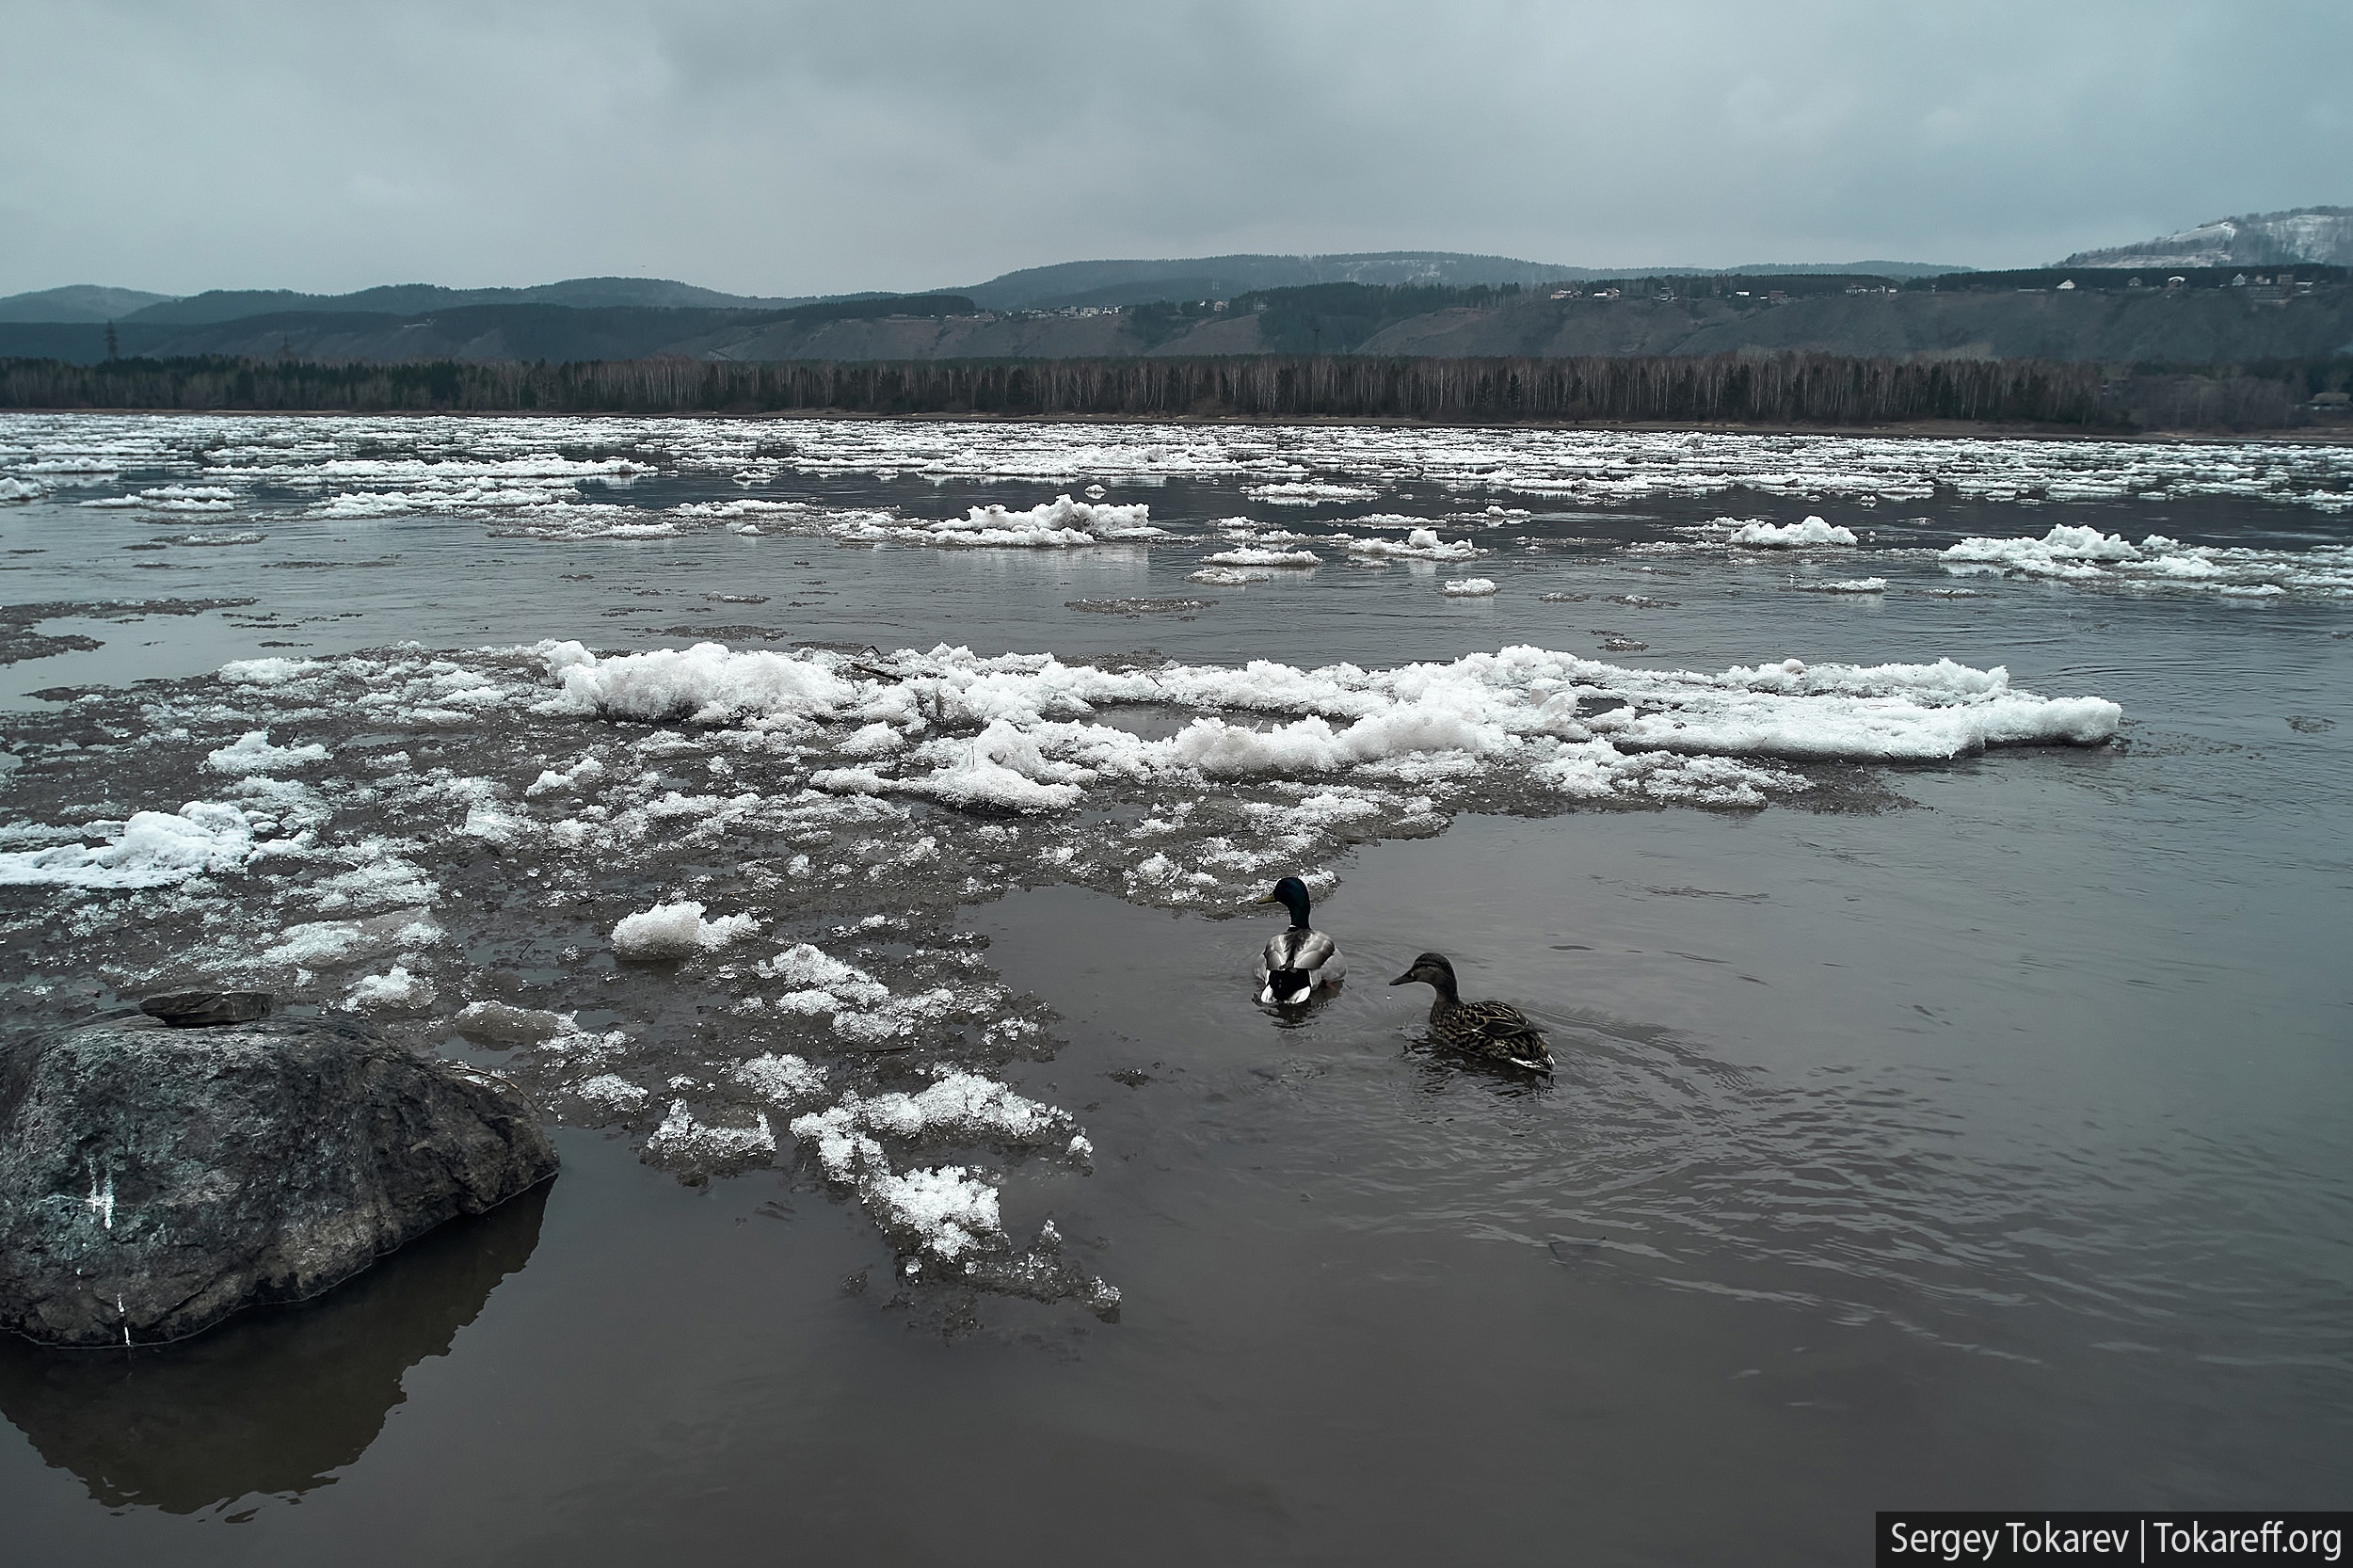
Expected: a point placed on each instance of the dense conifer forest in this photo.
(1783, 389)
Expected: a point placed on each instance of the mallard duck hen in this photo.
(1301, 961)
(1495, 1030)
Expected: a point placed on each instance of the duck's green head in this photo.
(1430, 968)
(1291, 894)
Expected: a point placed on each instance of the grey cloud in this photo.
(803, 148)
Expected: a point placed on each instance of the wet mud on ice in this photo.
(1899, 1235)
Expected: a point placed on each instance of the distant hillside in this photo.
(2320, 234)
(1776, 269)
(1129, 282)
(1138, 283)
(2080, 314)
(1394, 303)
(1943, 319)
(558, 333)
(1065, 285)
(77, 302)
(404, 299)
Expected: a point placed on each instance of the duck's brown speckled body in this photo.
(1495, 1030)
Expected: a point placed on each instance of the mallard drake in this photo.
(1495, 1030)
(1301, 961)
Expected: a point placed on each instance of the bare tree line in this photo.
(1779, 390)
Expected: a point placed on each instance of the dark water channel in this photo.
(1984, 1152)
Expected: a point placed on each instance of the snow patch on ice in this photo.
(819, 974)
(320, 944)
(1422, 544)
(581, 775)
(1252, 555)
(676, 931)
(1813, 532)
(1059, 524)
(2064, 552)
(150, 849)
(1308, 492)
(683, 1139)
(612, 1092)
(2085, 555)
(268, 672)
(782, 1078)
(705, 684)
(394, 991)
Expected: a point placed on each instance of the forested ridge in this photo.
(1780, 390)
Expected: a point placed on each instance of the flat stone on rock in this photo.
(154, 1179)
(202, 1009)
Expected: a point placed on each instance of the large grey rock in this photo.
(205, 1009)
(153, 1179)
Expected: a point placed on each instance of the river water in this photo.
(1952, 1067)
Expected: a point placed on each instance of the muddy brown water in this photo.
(1982, 1152)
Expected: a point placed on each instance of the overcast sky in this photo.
(797, 148)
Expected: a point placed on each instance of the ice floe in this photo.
(1812, 532)
(394, 990)
(683, 1139)
(703, 685)
(1059, 524)
(1252, 555)
(498, 1020)
(529, 476)
(614, 1093)
(1035, 752)
(781, 1078)
(677, 931)
(960, 1107)
(252, 753)
(1422, 544)
(461, 838)
(171, 498)
(150, 849)
(318, 944)
(2083, 554)
(1304, 493)
(946, 1211)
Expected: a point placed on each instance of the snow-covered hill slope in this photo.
(2322, 234)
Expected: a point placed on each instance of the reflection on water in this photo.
(274, 1401)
